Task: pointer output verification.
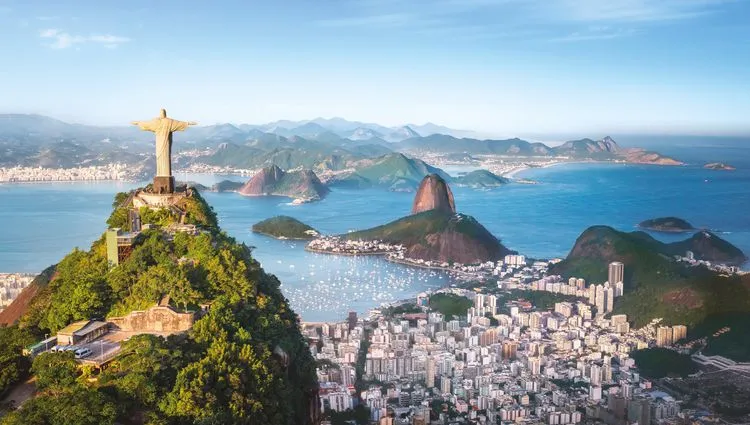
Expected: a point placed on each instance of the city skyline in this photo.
(503, 67)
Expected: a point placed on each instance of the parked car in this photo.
(83, 352)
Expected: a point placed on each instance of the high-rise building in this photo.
(619, 289)
(679, 332)
(445, 384)
(609, 299)
(616, 272)
(510, 348)
(352, 319)
(430, 372)
(581, 283)
(535, 365)
(600, 299)
(663, 336)
(479, 303)
(491, 304)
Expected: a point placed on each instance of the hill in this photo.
(394, 171)
(655, 284)
(303, 184)
(246, 348)
(480, 179)
(437, 235)
(666, 224)
(604, 149)
(285, 227)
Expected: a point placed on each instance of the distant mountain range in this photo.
(320, 144)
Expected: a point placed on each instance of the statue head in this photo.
(163, 113)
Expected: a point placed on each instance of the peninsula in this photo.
(434, 232)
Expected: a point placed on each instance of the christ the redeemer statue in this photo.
(163, 127)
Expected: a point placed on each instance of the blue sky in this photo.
(505, 67)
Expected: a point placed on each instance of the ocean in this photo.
(42, 222)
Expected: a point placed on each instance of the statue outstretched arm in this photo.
(181, 125)
(144, 125)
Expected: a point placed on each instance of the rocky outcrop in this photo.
(719, 166)
(263, 182)
(433, 194)
(273, 181)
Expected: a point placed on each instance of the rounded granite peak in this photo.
(433, 194)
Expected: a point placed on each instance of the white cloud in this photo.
(384, 20)
(596, 33)
(63, 40)
(634, 10)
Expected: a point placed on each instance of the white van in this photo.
(83, 352)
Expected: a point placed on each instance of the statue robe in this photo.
(163, 128)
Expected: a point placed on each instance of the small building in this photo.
(81, 332)
(119, 246)
(40, 347)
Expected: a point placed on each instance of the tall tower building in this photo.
(616, 272)
(600, 297)
(609, 299)
(430, 372)
(678, 332)
(663, 336)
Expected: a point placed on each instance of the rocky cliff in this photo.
(303, 184)
(433, 194)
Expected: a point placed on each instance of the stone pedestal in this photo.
(163, 185)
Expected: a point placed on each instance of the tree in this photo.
(55, 370)
(79, 291)
(13, 364)
(69, 406)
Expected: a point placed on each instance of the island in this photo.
(285, 227)
(302, 186)
(666, 225)
(720, 166)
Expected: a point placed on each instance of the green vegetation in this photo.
(229, 350)
(401, 309)
(13, 365)
(725, 335)
(360, 415)
(655, 285)
(658, 363)
(470, 240)
(666, 224)
(284, 227)
(450, 305)
(391, 171)
(481, 179)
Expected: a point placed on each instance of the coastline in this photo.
(512, 174)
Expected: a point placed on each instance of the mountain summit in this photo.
(433, 194)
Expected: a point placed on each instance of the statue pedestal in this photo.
(163, 185)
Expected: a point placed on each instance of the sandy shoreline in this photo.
(512, 174)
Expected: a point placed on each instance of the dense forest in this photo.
(225, 370)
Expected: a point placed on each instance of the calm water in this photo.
(42, 222)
